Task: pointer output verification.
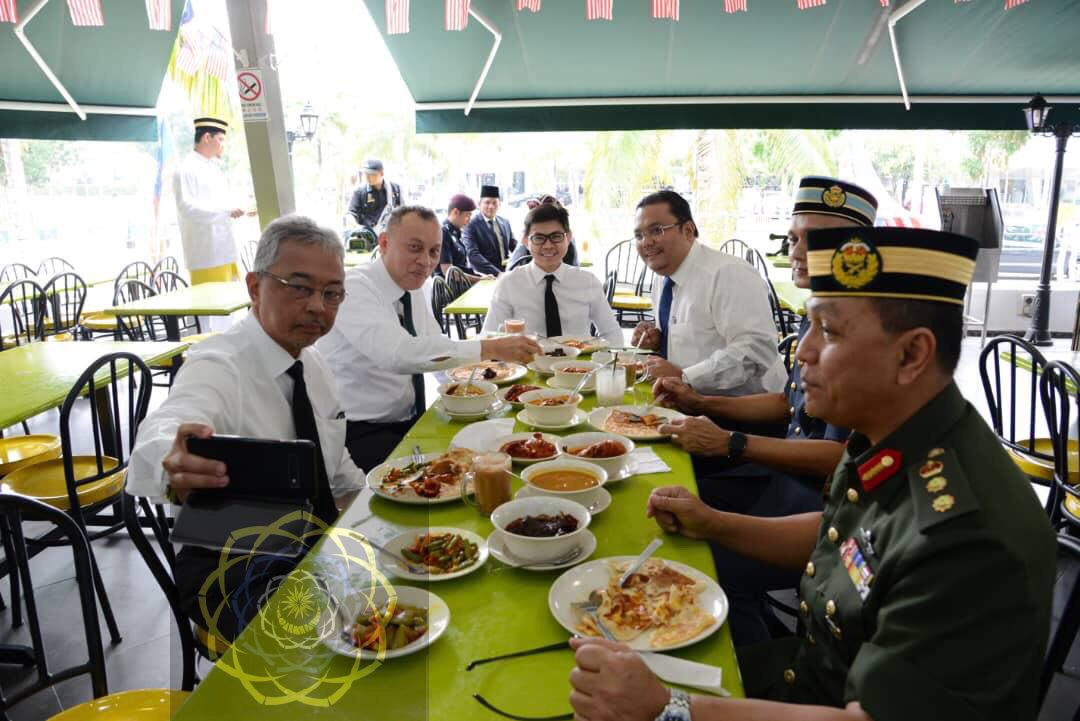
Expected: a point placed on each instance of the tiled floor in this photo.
(148, 656)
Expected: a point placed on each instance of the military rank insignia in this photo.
(855, 264)
(858, 568)
(834, 197)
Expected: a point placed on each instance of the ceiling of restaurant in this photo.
(121, 64)
(959, 51)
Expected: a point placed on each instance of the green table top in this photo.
(494, 610)
(39, 376)
(356, 257)
(791, 297)
(475, 300)
(780, 261)
(202, 299)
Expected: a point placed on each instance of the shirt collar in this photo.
(384, 284)
(275, 359)
(682, 273)
(537, 275)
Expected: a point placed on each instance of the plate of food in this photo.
(665, 605)
(493, 371)
(388, 624)
(437, 478)
(446, 553)
(512, 394)
(584, 343)
(633, 422)
(528, 448)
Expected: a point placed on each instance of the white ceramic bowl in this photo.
(550, 415)
(535, 549)
(569, 380)
(544, 362)
(468, 404)
(613, 465)
(501, 441)
(566, 463)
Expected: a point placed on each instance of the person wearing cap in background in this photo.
(453, 253)
(369, 202)
(927, 579)
(522, 251)
(488, 239)
(758, 474)
(203, 208)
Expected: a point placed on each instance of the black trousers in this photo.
(370, 443)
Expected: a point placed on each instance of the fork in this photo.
(417, 456)
(590, 607)
(411, 566)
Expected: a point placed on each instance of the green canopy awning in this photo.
(120, 65)
(967, 65)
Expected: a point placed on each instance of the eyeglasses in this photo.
(541, 239)
(331, 296)
(655, 232)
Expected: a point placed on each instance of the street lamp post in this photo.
(1036, 112)
(309, 125)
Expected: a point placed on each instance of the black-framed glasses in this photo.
(559, 646)
(331, 295)
(541, 238)
(655, 232)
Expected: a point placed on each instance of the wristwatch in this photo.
(736, 445)
(678, 707)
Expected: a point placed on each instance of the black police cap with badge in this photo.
(830, 196)
(215, 124)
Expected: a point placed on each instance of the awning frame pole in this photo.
(32, 106)
(20, 33)
(490, 26)
(896, 16)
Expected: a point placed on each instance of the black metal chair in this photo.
(23, 301)
(247, 255)
(53, 266)
(623, 258)
(1059, 390)
(65, 296)
(138, 327)
(138, 270)
(442, 296)
(1064, 617)
(168, 264)
(16, 271)
(523, 260)
(633, 283)
(786, 348)
(459, 283)
(166, 281)
(1010, 368)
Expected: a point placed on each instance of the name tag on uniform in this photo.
(858, 568)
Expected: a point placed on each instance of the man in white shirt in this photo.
(246, 382)
(386, 338)
(552, 297)
(714, 326)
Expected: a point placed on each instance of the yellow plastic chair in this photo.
(158, 704)
(19, 451)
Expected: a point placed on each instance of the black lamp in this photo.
(309, 125)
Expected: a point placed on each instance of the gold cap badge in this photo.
(855, 264)
(834, 197)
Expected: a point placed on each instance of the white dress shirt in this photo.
(580, 294)
(202, 208)
(373, 356)
(721, 331)
(236, 383)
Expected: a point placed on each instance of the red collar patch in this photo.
(880, 468)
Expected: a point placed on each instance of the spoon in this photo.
(642, 557)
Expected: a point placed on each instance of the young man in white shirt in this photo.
(386, 338)
(247, 382)
(714, 326)
(552, 297)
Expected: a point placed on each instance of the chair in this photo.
(16, 271)
(247, 255)
(166, 281)
(85, 485)
(65, 295)
(1010, 368)
(1059, 390)
(459, 283)
(609, 286)
(137, 270)
(1065, 614)
(52, 266)
(523, 260)
(138, 327)
(442, 296)
(24, 300)
(786, 348)
(740, 249)
(631, 299)
(168, 264)
(457, 280)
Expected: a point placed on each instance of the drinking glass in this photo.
(610, 386)
(491, 482)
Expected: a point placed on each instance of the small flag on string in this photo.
(7, 12)
(884, 3)
(86, 12)
(457, 14)
(219, 57)
(598, 9)
(1010, 4)
(159, 13)
(533, 5)
(734, 6)
(397, 17)
(665, 9)
(804, 4)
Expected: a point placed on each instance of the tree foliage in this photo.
(990, 150)
(41, 157)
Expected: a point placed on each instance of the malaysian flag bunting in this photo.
(804, 4)
(85, 12)
(7, 12)
(734, 6)
(397, 17)
(533, 5)
(457, 14)
(884, 3)
(1010, 4)
(598, 9)
(665, 9)
(159, 13)
(219, 57)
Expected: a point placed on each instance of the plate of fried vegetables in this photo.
(392, 622)
(445, 552)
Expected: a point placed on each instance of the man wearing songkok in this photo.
(927, 579)
(453, 253)
(714, 326)
(386, 338)
(488, 237)
(758, 474)
(552, 297)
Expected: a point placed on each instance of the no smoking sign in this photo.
(252, 101)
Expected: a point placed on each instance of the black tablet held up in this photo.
(259, 468)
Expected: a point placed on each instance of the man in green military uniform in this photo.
(928, 576)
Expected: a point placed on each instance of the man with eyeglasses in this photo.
(714, 326)
(386, 338)
(552, 297)
(522, 254)
(261, 379)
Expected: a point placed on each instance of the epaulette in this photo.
(939, 489)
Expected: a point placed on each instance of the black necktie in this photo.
(419, 403)
(551, 309)
(306, 429)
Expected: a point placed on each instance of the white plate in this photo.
(461, 373)
(589, 387)
(495, 545)
(600, 497)
(499, 442)
(577, 583)
(578, 418)
(438, 620)
(501, 395)
(594, 344)
(495, 407)
(599, 415)
(375, 475)
(536, 369)
(406, 539)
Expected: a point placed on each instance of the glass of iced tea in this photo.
(514, 325)
(491, 482)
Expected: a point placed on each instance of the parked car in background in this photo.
(1023, 241)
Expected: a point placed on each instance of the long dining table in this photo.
(217, 299)
(494, 610)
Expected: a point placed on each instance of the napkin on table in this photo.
(648, 461)
(685, 673)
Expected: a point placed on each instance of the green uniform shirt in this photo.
(928, 593)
